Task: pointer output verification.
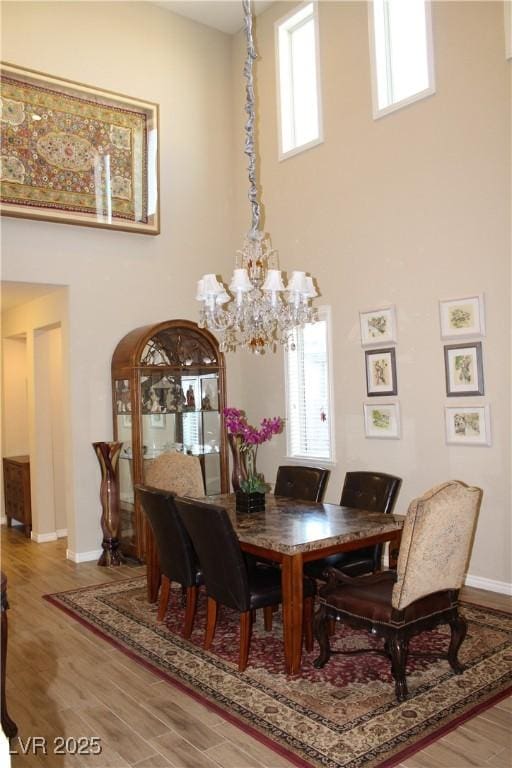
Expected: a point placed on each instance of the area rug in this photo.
(343, 716)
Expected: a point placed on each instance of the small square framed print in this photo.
(378, 326)
(468, 425)
(158, 420)
(462, 317)
(380, 372)
(382, 420)
(464, 369)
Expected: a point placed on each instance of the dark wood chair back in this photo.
(308, 483)
(178, 560)
(373, 491)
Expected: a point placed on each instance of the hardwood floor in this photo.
(63, 681)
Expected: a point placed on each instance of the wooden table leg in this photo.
(292, 586)
(153, 574)
(394, 548)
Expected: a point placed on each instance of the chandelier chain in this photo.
(249, 148)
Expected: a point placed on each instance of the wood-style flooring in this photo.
(63, 681)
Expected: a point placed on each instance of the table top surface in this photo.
(290, 526)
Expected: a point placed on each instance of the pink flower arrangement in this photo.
(249, 438)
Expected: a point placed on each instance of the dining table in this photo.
(292, 532)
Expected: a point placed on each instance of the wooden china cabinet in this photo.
(168, 392)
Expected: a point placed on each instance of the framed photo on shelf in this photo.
(462, 317)
(380, 372)
(77, 154)
(378, 326)
(468, 425)
(157, 420)
(464, 369)
(209, 394)
(382, 420)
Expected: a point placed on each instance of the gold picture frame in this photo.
(76, 154)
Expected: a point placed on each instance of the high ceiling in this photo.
(225, 15)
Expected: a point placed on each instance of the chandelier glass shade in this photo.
(257, 310)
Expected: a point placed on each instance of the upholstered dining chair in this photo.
(176, 555)
(423, 592)
(177, 472)
(306, 483)
(227, 578)
(372, 492)
(181, 474)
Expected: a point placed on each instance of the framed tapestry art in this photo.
(76, 154)
(462, 317)
(468, 426)
(464, 369)
(380, 372)
(378, 326)
(382, 420)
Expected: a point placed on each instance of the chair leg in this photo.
(459, 628)
(322, 635)
(190, 611)
(211, 621)
(331, 627)
(398, 648)
(165, 591)
(245, 639)
(307, 622)
(267, 617)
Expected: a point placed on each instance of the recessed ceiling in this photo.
(15, 294)
(224, 15)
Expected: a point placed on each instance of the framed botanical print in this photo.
(382, 420)
(380, 372)
(462, 317)
(468, 425)
(378, 326)
(77, 154)
(464, 369)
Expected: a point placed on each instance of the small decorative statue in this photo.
(191, 398)
(205, 403)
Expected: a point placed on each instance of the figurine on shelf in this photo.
(178, 398)
(191, 398)
(154, 401)
(205, 403)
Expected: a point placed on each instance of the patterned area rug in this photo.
(344, 716)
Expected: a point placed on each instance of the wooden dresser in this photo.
(17, 491)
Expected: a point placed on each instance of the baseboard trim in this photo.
(83, 557)
(61, 533)
(42, 538)
(489, 584)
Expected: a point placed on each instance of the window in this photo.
(401, 52)
(308, 392)
(298, 80)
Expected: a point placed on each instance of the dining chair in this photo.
(176, 554)
(423, 592)
(181, 474)
(227, 578)
(177, 472)
(308, 483)
(368, 491)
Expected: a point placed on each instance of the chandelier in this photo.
(259, 311)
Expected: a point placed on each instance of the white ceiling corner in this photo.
(224, 15)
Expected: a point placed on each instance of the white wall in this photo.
(409, 209)
(118, 281)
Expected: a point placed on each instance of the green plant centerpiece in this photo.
(244, 439)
